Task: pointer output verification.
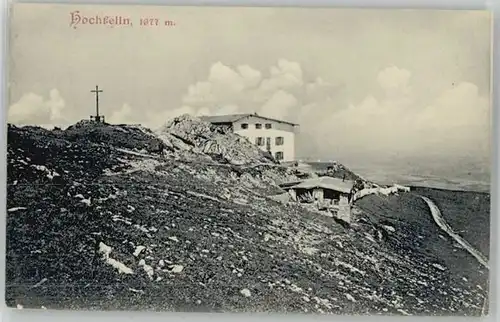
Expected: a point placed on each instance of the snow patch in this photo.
(379, 190)
(16, 209)
(106, 251)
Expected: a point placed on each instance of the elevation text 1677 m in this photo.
(154, 22)
(79, 19)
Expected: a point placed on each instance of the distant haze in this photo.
(403, 89)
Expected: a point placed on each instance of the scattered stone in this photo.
(350, 297)
(177, 268)
(309, 250)
(148, 269)
(440, 267)
(246, 292)
(138, 250)
(403, 312)
(105, 250)
(267, 237)
(40, 283)
(389, 228)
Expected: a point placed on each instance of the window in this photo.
(244, 126)
(258, 126)
(279, 140)
(268, 125)
(259, 141)
(278, 156)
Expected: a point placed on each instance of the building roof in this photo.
(288, 185)
(231, 118)
(326, 183)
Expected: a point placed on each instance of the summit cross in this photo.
(97, 117)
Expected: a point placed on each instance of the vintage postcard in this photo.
(232, 159)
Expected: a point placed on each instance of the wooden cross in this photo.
(97, 91)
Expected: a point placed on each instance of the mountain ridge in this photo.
(119, 217)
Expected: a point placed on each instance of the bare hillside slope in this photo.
(119, 217)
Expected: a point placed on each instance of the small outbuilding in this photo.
(328, 193)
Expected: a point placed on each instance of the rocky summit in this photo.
(186, 218)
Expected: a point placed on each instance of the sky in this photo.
(366, 86)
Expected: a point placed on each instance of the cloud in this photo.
(456, 123)
(282, 92)
(458, 119)
(155, 120)
(243, 89)
(224, 84)
(394, 80)
(35, 109)
(279, 104)
(251, 77)
(320, 90)
(122, 116)
(394, 119)
(284, 75)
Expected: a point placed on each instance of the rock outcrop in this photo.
(190, 133)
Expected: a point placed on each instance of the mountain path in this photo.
(441, 222)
